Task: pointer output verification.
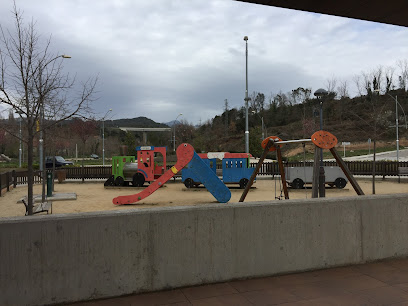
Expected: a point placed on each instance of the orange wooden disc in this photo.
(324, 139)
(274, 138)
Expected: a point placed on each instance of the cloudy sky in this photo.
(160, 58)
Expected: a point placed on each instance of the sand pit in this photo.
(92, 196)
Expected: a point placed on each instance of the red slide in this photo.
(185, 153)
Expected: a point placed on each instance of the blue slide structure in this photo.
(189, 177)
(207, 176)
(235, 168)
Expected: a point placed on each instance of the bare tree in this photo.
(331, 85)
(33, 84)
(377, 76)
(84, 129)
(342, 90)
(359, 84)
(367, 83)
(372, 123)
(403, 73)
(389, 78)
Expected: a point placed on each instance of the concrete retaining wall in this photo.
(63, 258)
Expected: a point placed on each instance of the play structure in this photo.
(235, 168)
(202, 169)
(321, 140)
(126, 170)
(203, 173)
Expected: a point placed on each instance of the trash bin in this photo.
(61, 175)
(49, 184)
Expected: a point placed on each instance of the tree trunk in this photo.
(30, 174)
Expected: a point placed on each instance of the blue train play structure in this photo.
(235, 168)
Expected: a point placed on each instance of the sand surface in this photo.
(93, 196)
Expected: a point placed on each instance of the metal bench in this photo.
(41, 207)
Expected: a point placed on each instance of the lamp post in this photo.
(41, 140)
(103, 137)
(246, 97)
(320, 93)
(41, 127)
(20, 150)
(396, 121)
(174, 136)
(263, 134)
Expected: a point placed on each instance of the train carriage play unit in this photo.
(235, 168)
(125, 169)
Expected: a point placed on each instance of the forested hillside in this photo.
(293, 115)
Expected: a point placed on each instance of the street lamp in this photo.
(396, 121)
(41, 140)
(320, 94)
(174, 137)
(20, 150)
(246, 97)
(103, 137)
(263, 134)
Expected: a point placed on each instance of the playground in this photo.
(93, 196)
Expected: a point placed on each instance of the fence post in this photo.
(14, 179)
(8, 181)
(83, 172)
(383, 169)
(1, 183)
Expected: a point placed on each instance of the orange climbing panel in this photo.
(324, 139)
(271, 148)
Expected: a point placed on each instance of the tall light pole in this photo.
(103, 137)
(246, 97)
(263, 134)
(20, 150)
(174, 136)
(41, 140)
(396, 121)
(320, 93)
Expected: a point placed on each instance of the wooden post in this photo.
(282, 172)
(83, 170)
(346, 171)
(1, 183)
(316, 169)
(14, 179)
(8, 181)
(258, 166)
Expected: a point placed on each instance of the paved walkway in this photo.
(381, 283)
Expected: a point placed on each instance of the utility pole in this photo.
(226, 117)
(246, 97)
